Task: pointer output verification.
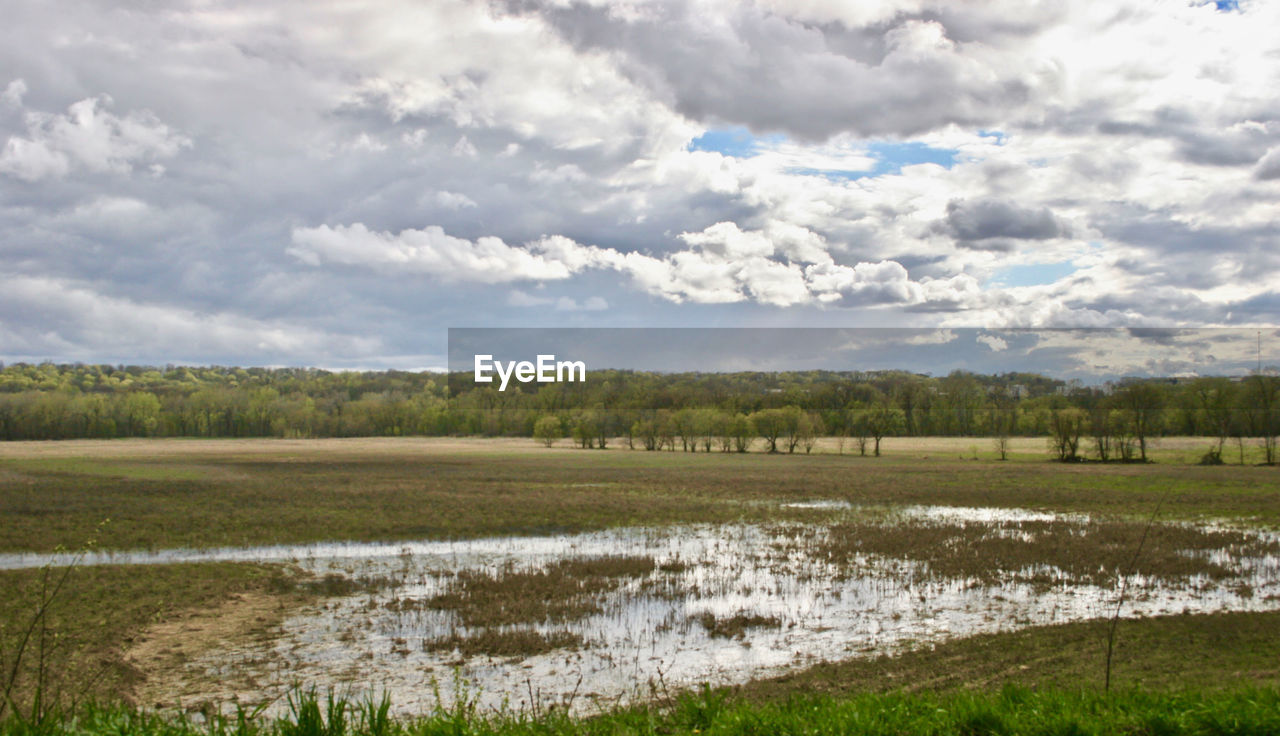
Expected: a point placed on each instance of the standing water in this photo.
(598, 619)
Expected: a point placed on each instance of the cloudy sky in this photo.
(335, 183)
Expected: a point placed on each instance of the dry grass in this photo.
(735, 626)
(504, 643)
(1094, 553)
(564, 591)
(498, 607)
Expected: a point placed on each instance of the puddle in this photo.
(819, 504)
(982, 514)
(719, 604)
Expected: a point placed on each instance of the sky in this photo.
(335, 184)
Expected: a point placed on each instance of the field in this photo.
(931, 568)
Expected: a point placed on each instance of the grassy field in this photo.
(1165, 653)
(171, 493)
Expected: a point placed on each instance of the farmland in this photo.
(428, 594)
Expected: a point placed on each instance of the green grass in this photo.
(1011, 711)
(399, 492)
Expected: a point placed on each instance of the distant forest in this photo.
(691, 411)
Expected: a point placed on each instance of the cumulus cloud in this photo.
(935, 337)
(87, 136)
(13, 92)
(724, 265)
(486, 260)
(994, 342)
(454, 200)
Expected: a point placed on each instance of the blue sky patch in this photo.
(1033, 274)
(890, 157)
(997, 134)
(735, 141)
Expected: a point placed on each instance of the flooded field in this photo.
(591, 620)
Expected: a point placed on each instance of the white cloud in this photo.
(431, 251)
(87, 136)
(726, 240)
(995, 342)
(518, 298)
(81, 323)
(465, 148)
(454, 200)
(725, 265)
(13, 93)
(937, 337)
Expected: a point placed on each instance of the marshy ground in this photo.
(505, 562)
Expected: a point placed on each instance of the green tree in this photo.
(585, 428)
(547, 430)
(1262, 411)
(141, 412)
(882, 420)
(1215, 398)
(1144, 402)
(743, 430)
(769, 424)
(1066, 427)
(810, 429)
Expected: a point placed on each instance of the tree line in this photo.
(782, 411)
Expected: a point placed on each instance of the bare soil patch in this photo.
(167, 653)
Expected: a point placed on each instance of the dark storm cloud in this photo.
(902, 75)
(1163, 335)
(1261, 308)
(977, 220)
